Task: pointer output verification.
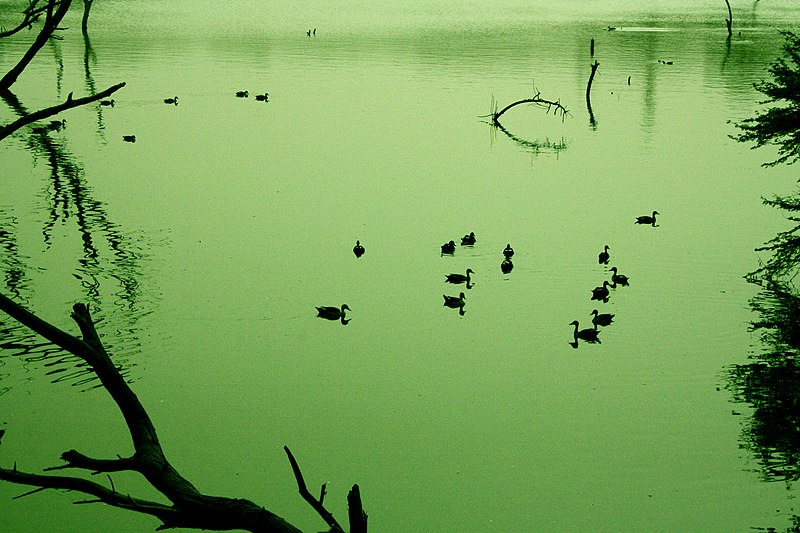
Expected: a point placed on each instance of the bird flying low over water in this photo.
(603, 257)
(601, 319)
(449, 248)
(358, 249)
(468, 240)
(508, 252)
(332, 313)
(588, 335)
(618, 279)
(459, 278)
(648, 219)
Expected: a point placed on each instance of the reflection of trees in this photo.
(771, 385)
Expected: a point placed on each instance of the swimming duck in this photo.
(56, 125)
(601, 319)
(618, 279)
(332, 313)
(262, 97)
(173, 100)
(242, 94)
(588, 335)
(508, 252)
(468, 240)
(129, 138)
(645, 219)
(454, 301)
(603, 257)
(358, 249)
(506, 266)
(459, 278)
(109, 103)
(601, 293)
(449, 248)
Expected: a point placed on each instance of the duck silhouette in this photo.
(618, 279)
(460, 278)
(508, 252)
(449, 248)
(358, 249)
(506, 266)
(603, 257)
(468, 240)
(601, 319)
(173, 100)
(129, 138)
(262, 97)
(332, 313)
(588, 335)
(648, 219)
(454, 301)
(601, 293)
(109, 103)
(242, 94)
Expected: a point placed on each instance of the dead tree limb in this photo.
(729, 20)
(52, 20)
(87, 6)
(189, 507)
(30, 14)
(536, 100)
(589, 91)
(69, 103)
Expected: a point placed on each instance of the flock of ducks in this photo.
(602, 293)
(454, 302)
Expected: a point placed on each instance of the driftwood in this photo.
(69, 103)
(189, 507)
(536, 100)
(51, 22)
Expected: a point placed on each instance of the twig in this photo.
(313, 502)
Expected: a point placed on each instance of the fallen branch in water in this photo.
(536, 100)
(70, 102)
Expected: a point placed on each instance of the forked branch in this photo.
(536, 100)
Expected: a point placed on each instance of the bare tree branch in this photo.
(70, 102)
(313, 502)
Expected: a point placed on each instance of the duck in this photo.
(588, 335)
(454, 301)
(173, 100)
(468, 240)
(332, 313)
(242, 94)
(618, 279)
(129, 138)
(460, 278)
(449, 248)
(508, 252)
(56, 125)
(603, 257)
(601, 293)
(262, 97)
(108, 103)
(358, 249)
(648, 219)
(601, 319)
(506, 266)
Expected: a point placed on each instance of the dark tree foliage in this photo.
(780, 123)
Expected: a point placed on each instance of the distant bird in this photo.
(603, 257)
(645, 219)
(332, 313)
(129, 138)
(618, 279)
(449, 248)
(109, 103)
(454, 301)
(506, 266)
(601, 293)
(262, 97)
(173, 100)
(358, 249)
(308, 32)
(508, 252)
(459, 278)
(601, 319)
(468, 240)
(56, 125)
(588, 335)
(242, 94)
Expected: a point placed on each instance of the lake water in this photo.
(204, 247)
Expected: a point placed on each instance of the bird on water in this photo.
(508, 252)
(648, 219)
(601, 319)
(460, 278)
(449, 248)
(601, 293)
(603, 257)
(358, 249)
(588, 335)
(468, 240)
(454, 301)
(332, 313)
(618, 279)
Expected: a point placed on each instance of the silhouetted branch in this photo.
(589, 90)
(87, 6)
(729, 20)
(31, 15)
(313, 502)
(358, 518)
(52, 19)
(537, 100)
(7, 130)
